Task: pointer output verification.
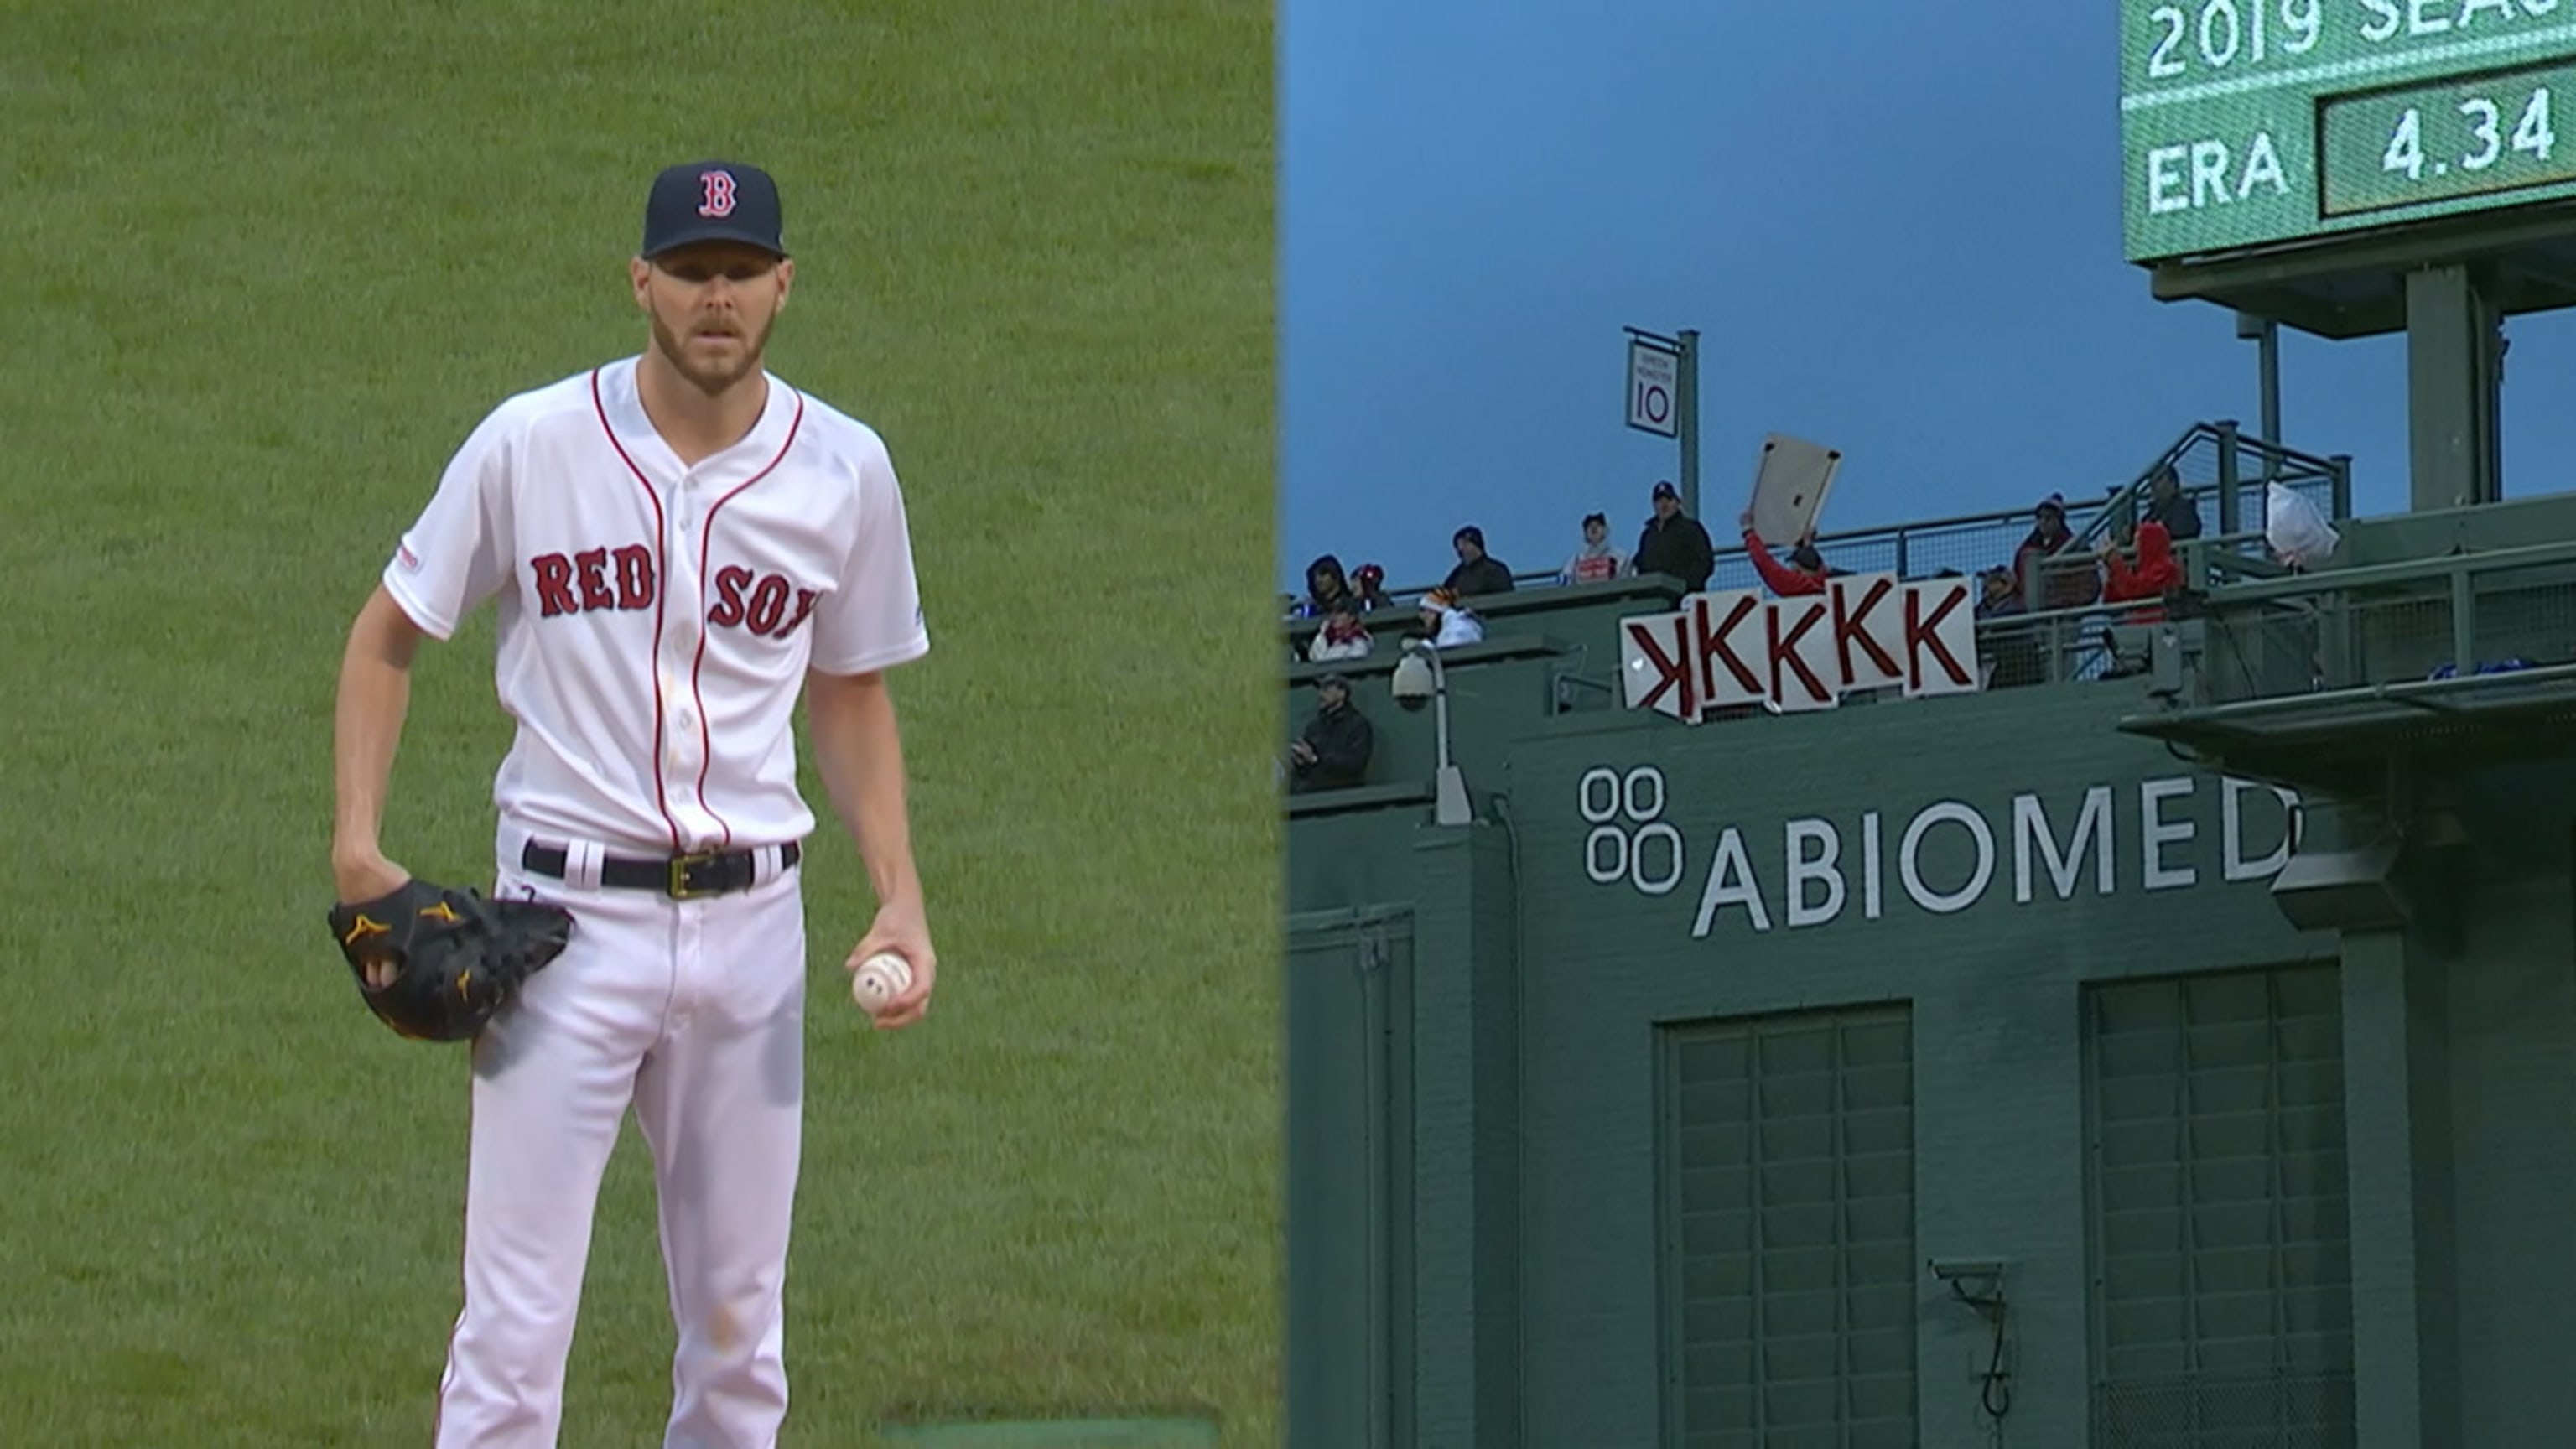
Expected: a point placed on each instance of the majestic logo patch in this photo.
(410, 561)
(718, 197)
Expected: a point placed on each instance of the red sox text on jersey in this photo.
(583, 582)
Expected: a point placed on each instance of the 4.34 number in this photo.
(2531, 133)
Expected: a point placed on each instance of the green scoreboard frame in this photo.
(2249, 124)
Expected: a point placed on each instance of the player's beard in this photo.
(712, 378)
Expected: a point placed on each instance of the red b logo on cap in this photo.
(719, 193)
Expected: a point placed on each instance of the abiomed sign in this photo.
(1864, 631)
(2035, 848)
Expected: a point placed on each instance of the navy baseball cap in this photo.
(713, 201)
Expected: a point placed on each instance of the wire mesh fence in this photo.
(2490, 621)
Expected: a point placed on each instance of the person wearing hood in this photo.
(2154, 574)
(1450, 623)
(1596, 562)
(1805, 573)
(1327, 589)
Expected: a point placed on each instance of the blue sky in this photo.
(1895, 224)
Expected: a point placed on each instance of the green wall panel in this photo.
(1348, 1354)
(1991, 978)
(1636, 878)
(2220, 1237)
(2512, 1005)
(1789, 1239)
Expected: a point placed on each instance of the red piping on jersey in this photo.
(662, 568)
(706, 548)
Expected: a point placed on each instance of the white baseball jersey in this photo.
(656, 621)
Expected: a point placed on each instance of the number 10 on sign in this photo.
(1653, 378)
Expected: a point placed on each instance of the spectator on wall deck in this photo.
(2167, 505)
(1342, 637)
(1477, 572)
(2155, 574)
(1333, 752)
(2060, 587)
(1368, 581)
(1326, 588)
(1596, 562)
(2012, 654)
(1674, 543)
(1805, 573)
(1448, 622)
(1997, 597)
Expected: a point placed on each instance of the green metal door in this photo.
(1789, 1231)
(2222, 1305)
(1348, 1356)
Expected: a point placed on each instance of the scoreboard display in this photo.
(2254, 123)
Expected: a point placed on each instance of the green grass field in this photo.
(269, 265)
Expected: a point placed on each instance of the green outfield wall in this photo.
(1923, 1070)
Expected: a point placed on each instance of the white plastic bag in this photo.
(2296, 529)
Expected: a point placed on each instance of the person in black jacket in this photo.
(1326, 589)
(1675, 543)
(1478, 572)
(2167, 505)
(1333, 753)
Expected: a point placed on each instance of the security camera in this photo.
(1954, 1270)
(1412, 683)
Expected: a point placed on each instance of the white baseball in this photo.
(880, 979)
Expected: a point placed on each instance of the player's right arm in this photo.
(375, 694)
(452, 559)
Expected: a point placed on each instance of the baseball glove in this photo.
(459, 956)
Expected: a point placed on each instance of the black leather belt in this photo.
(681, 877)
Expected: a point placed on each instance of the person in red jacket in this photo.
(1805, 573)
(2150, 577)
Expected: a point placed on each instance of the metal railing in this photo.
(2056, 646)
(2358, 629)
(2472, 613)
(2221, 468)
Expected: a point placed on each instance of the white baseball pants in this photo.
(691, 1013)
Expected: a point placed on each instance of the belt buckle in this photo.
(679, 882)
